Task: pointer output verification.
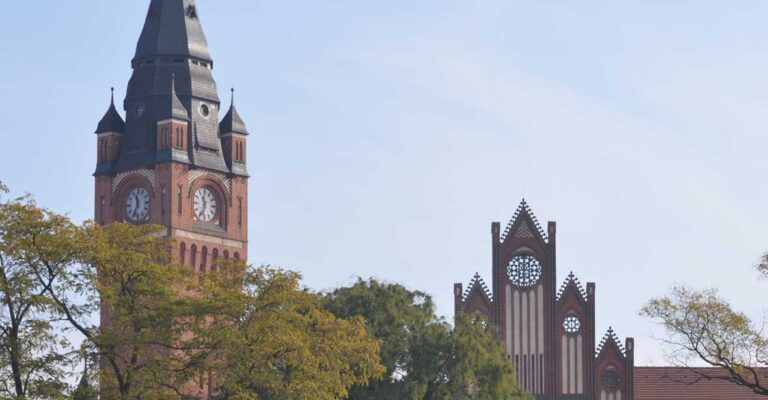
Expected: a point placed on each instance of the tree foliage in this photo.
(32, 349)
(702, 327)
(423, 356)
(277, 342)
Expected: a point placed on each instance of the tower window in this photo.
(162, 201)
(101, 210)
(182, 253)
(204, 264)
(193, 250)
(215, 258)
(178, 200)
(240, 211)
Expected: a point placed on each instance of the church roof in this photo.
(172, 28)
(112, 121)
(232, 123)
(477, 284)
(676, 383)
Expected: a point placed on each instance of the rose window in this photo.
(524, 271)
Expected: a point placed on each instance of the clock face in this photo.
(205, 205)
(524, 271)
(137, 205)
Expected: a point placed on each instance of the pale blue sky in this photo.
(387, 136)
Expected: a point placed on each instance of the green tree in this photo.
(147, 305)
(423, 356)
(704, 328)
(276, 341)
(32, 351)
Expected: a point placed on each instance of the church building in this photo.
(548, 331)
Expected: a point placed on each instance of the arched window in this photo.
(182, 253)
(226, 254)
(162, 201)
(178, 200)
(237, 256)
(204, 264)
(240, 211)
(193, 250)
(215, 258)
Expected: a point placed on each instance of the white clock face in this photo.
(137, 205)
(205, 205)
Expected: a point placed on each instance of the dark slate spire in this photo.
(112, 121)
(232, 123)
(175, 109)
(171, 43)
(172, 28)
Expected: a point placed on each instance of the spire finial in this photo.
(112, 89)
(173, 83)
(233, 97)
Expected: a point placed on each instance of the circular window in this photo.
(139, 109)
(572, 324)
(524, 271)
(205, 111)
(611, 380)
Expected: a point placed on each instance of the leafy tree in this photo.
(146, 308)
(276, 341)
(32, 350)
(703, 328)
(424, 358)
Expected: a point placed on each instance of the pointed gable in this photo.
(572, 286)
(477, 297)
(610, 344)
(524, 224)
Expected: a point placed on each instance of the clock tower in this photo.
(173, 161)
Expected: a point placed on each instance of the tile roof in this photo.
(675, 383)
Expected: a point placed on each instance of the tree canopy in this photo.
(424, 358)
(704, 328)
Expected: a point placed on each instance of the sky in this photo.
(387, 136)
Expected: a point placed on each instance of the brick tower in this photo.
(172, 161)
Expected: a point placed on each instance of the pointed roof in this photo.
(610, 339)
(522, 213)
(232, 123)
(175, 109)
(572, 281)
(172, 28)
(112, 121)
(477, 284)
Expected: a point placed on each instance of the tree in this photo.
(147, 306)
(423, 356)
(276, 342)
(32, 351)
(703, 328)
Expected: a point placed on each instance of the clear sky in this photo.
(388, 135)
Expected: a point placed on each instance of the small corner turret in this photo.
(109, 132)
(233, 133)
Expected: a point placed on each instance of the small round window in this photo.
(611, 380)
(205, 110)
(572, 324)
